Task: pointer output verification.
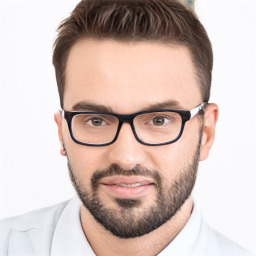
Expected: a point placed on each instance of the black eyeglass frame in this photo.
(186, 115)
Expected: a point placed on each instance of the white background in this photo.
(34, 175)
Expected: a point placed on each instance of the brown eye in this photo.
(159, 120)
(96, 121)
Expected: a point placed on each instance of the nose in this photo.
(126, 151)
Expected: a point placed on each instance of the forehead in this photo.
(129, 76)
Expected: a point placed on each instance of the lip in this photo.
(127, 187)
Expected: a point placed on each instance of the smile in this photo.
(127, 186)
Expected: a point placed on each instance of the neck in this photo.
(104, 243)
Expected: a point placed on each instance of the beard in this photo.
(124, 222)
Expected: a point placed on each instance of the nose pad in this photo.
(126, 151)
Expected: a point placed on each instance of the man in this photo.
(134, 83)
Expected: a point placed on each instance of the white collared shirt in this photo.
(57, 231)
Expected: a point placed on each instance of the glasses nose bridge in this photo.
(126, 119)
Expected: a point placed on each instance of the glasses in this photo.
(152, 128)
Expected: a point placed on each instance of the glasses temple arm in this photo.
(196, 110)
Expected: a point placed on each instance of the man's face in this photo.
(131, 188)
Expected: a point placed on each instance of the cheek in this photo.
(84, 160)
(171, 159)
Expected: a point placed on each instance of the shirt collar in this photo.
(68, 238)
(183, 244)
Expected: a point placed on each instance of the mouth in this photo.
(130, 187)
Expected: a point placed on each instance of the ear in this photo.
(58, 121)
(210, 120)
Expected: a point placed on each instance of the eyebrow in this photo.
(88, 106)
(170, 104)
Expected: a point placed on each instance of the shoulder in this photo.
(31, 219)
(37, 225)
(218, 244)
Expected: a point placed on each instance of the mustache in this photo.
(116, 170)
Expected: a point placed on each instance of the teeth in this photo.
(129, 185)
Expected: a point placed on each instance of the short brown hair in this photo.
(165, 21)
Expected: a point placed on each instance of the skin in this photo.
(130, 77)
